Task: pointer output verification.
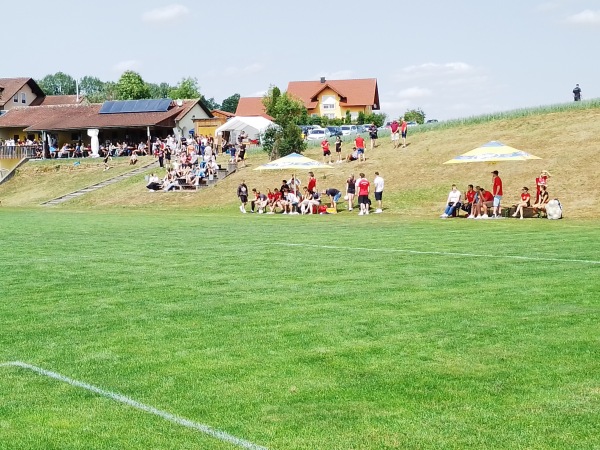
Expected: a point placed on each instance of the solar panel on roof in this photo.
(135, 106)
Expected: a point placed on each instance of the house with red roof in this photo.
(334, 98)
(20, 92)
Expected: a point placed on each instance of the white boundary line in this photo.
(206, 429)
(417, 252)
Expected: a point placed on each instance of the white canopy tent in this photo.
(254, 126)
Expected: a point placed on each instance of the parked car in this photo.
(432, 121)
(318, 134)
(362, 129)
(349, 129)
(335, 131)
(412, 123)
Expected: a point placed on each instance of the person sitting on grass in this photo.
(525, 198)
(133, 158)
(154, 183)
(352, 156)
(540, 206)
(170, 181)
(452, 203)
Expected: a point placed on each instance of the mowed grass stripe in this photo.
(315, 348)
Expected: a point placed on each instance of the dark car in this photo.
(335, 131)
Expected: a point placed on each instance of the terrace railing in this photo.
(19, 151)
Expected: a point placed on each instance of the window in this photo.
(328, 106)
(330, 116)
(16, 98)
(23, 97)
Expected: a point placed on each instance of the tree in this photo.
(286, 111)
(90, 86)
(210, 103)
(230, 104)
(415, 115)
(348, 119)
(58, 84)
(131, 86)
(186, 89)
(377, 119)
(161, 90)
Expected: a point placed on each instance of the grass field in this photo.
(322, 332)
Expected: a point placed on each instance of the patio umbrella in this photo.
(293, 161)
(493, 151)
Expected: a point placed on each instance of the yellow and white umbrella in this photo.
(293, 161)
(493, 151)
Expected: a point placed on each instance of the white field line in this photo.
(417, 252)
(206, 429)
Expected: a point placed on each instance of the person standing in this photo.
(403, 130)
(373, 135)
(540, 181)
(360, 147)
(312, 182)
(378, 183)
(395, 130)
(242, 193)
(577, 93)
(362, 186)
(338, 148)
(497, 193)
(326, 151)
(350, 190)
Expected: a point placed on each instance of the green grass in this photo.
(344, 341)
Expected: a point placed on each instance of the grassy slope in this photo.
(416, 179)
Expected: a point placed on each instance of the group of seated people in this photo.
(289, 198)
(478, 202)
(183, 175)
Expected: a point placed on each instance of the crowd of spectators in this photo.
(293, 198)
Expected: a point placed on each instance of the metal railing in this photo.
(20, 151)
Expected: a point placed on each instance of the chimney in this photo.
(322, 80)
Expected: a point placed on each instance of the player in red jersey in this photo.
(362, 186)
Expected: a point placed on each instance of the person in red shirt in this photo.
(326, 151)
(312, 182)
(497, 192)
(395, 130)
(469, 198)
(540, 181)
(403, 130)
(525, 198)
(485, 201)
(362, 186)
(360, 147)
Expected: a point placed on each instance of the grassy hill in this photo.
(417, 181)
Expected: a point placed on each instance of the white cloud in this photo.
(169, 13)
(587, 17)
(132, 64)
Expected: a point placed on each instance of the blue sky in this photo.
(450, 58)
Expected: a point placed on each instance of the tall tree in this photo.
(186, 89)
(90, 86)
(58, 84)
(230, 104)
(286, 111)
(131, 86)
(161, 90)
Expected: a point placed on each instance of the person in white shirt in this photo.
(452, 203)
(378, 183)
